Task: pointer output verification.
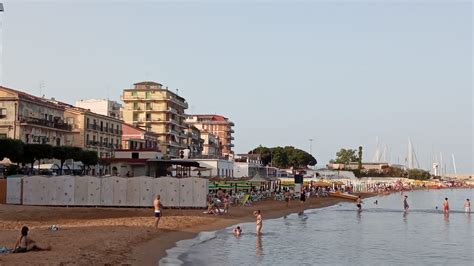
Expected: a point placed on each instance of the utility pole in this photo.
(311, 148)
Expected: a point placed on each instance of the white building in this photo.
(101, 106)
(218, 167)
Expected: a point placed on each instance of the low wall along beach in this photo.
(106, 191)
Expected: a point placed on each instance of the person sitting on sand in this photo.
(24, 243)
(210, 207)
(237, 231)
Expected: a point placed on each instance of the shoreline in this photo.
(150, 252)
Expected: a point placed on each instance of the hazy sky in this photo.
(341, 73)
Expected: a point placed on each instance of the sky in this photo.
(343, 73)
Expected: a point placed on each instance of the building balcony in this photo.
(45, 123)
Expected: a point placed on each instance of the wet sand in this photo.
(121, 235)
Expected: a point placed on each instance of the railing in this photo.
(46, 123)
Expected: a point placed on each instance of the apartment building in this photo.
(93, 131)
(32, 119)
(154, 108)
(211, 146)
(219, 126)
(102, 107)
(193, 141)
(134, 138)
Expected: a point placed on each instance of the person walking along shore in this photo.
(157, 205)
(467, 206)
(405, 203)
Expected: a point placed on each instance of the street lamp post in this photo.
(311, 147)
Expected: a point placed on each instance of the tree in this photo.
(88, 158)
(345, 156)
(284, 157)
(418, 174)
(63, 153)
(33, 152)
(360, 158)
(11, 149)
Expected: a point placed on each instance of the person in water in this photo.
(467, 206)
(24, 243)
(237, 231)
(446, 205)
(259, 222)
(359, 203)
(405, 203)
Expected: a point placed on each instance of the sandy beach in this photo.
(120, 235)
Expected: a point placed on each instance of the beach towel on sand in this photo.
(244, 199)
(4, 250)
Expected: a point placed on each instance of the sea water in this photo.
(381, 234)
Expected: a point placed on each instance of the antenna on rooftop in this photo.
(177, 91)
(41, 86)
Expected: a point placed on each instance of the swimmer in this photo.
(237, 231)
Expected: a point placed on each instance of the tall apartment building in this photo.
(153, 107)
(219, 126)
(93, 131)
(102, 107)
(211, 144)
(32, 119)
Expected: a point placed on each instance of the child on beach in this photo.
(359, 203)
(237, 231)
(24, 243)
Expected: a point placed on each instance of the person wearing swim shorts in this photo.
(158, 207)
(446, 205)
(405, 203)
(359, 203)
(467, 206)
(259, 221)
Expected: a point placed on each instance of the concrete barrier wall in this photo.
(106, 191)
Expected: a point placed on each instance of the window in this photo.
(134, 155)
(134, 93)
(87, 139)
(27, 138)
(3, 112)
(58, 142)
(148, 117)
(101, 126)
(147, 95)
(136, 106)
(100, 141)
(3, 136)
(148, 106)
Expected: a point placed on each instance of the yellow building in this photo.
(153, 107)
(93, 131)
(32, 119)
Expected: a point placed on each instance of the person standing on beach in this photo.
(359, 203)
(405, 203)
(446, 206)
(158, 206)
(287, 198)
(259, 221)
(467, 206)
